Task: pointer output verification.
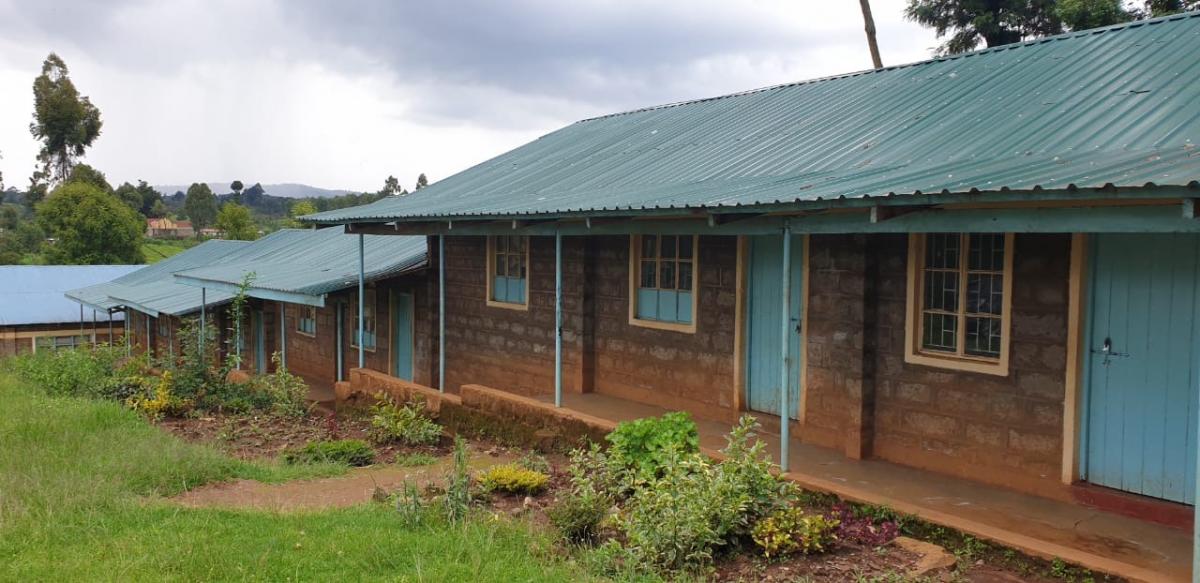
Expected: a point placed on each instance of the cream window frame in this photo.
(913, 321)
(635, 278)
(491, 276)
(370, 306)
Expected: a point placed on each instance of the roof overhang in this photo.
(1146, 209)
(254, 292)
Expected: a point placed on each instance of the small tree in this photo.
(422, 182)
(236, 222)
(90, 227)
(299, 209)
(237, 312)
(200, 205)
(237, 187)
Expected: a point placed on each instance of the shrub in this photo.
(791, 531)
(513, 479)
(84, 372)
(578, 517)
(532, 461)
(161, 401)
(747, 481)
(407, 424)
(351, 452)
(644, 443)
(287, 393)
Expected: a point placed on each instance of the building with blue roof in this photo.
(35, 315)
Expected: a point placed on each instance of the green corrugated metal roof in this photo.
(154, 289)
(314, 262)
(1110, 106)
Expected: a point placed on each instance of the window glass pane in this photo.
(649, 246)
(501, 244)
(941, 250)
(985, 293)
(648, 278)
(940, 332)
(983, 337)
(941, 290)
(514, 266)
(501, 264)
(668, 247)
(685, 247)
(666, 275)
(987, 252)
(685, 275)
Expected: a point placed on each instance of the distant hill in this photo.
(286, 190)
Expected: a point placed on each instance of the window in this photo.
(368, 322)
(60, 342)
(306, 321)
(663, 281)
(508, 265)
(959, 298)
(164, 329)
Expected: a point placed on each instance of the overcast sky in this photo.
(341, 94)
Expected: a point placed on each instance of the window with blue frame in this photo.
(306, 321)
(665, 274)
(508, 265)
(368, 322)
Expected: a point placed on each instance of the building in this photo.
(979, 271)
(167, 228)
(301, 286)
(34, 315)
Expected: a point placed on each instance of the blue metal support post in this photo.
(283, 335)
(341, 342)
(442, 313)
(558, 319)
(362, 295)
(785, 408)
(203, 320)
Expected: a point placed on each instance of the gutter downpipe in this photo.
(558, 318)
(785, 410)
(362, 294)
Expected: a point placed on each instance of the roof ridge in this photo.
(1037, 41)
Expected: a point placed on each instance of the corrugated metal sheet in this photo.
(1110, 106)
(33, 294)
(154, 286)
(316, 262)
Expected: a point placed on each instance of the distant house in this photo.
(211, 233)
(35, 316)
(166, 228)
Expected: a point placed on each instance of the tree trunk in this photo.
(869, 26)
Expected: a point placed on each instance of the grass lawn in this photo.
(156, 250)
(81, 498)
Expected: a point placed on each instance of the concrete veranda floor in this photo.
(1096, 539)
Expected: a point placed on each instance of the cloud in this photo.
(342, 94)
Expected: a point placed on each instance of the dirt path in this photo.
(355, 487)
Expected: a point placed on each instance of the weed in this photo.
(416, 459)
(407, 423)
(350, 452)
(458, 484)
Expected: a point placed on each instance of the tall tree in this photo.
(237, 187)
(869, 28)
(65, 122)
(391, 187)
(967, 23)
(200, 205)
(235, 220)
(1164, 7)
(422, 182)
(90, 226)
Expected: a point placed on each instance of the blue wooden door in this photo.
(260, 342)
(764, 321)
(1140, 371)
(402, 336)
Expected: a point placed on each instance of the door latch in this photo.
(1106, 349)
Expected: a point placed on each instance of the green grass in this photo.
(156, 250)
(81, 487)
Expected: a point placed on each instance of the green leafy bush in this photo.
(351, 452)
(83, 372)
(578, 516)
(158, 399)
(644, 443)
(791, 530)
(513, 479)
(747, 480)
(287, 393)
(407, 424)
